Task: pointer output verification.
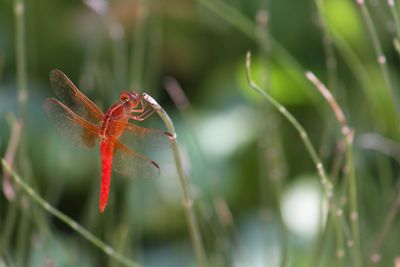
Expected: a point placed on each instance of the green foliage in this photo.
(246, 156)
(343, 17)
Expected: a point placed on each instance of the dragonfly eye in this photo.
(134, 96)
(124, 97)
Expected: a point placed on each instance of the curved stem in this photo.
(187, 201)
(67, 220)
(325, 181)
(328, 187)
(348, 135)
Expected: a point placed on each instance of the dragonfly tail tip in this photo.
(155, 164)
(170, 135)
(102, 208)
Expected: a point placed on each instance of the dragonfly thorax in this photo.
(115, 120)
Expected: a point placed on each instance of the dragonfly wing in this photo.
(79, 131)
(73, 98)
(129, 163)
(142, 139)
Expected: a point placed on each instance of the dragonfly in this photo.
(84, 124)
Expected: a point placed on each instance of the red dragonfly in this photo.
(84, 124)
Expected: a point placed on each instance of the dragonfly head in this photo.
(130, 97)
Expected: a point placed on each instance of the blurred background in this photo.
(258, 198)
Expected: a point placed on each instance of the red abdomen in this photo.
(106, 150)
(113, 125)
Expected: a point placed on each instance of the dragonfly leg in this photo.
(141, 109)
(143, 115)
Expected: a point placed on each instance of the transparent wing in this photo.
(131, 164)
(73, 98)
(142, 139)
(74, 128)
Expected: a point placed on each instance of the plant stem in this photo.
(23, 235)
(20, 51)
(380, 56)
(19, 9)
(391, 124)
(331, 63)
(392, 149)
(67, 220)
(221, 208)
(387, 225)
(379, 143)
(325, 181)
(139, 46)
(8, 226)
(393, 11)
(187, 201)
(340, 252)
(331, 67)
(348, 135)
(12, 148)
(328, 187)
(272, 161)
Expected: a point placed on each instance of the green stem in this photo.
(20, 50)
(327, 41)
(19, 9)
(232, 16)
(139, 45)
(347, 135)
(387, 226)
(8, 226)
(360, 72)
(325, 181)
(272, 153)
(67, 220)
(354, 217)
(328, 187)
(22, 236)
(340, 252)
(391, 149)
(393, 11)
(380, 56)
(187, 201)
